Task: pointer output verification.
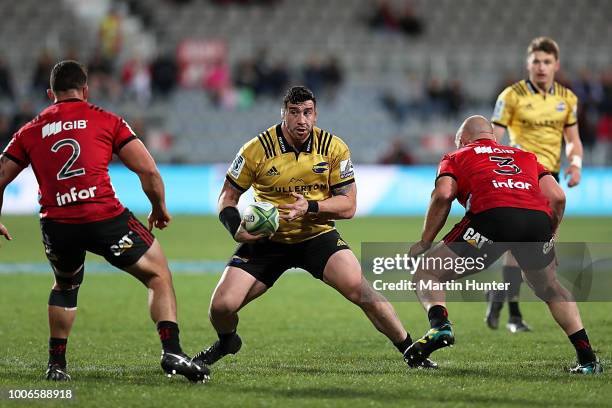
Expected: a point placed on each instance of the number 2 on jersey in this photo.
(65, 172)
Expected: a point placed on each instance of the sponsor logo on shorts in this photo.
(474, 238)
(320, 168)
(239, 260)
(123, 245)
(50, 255)
(548, 246)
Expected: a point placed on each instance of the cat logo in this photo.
(474, 238)
(123, 245)
(320, 168)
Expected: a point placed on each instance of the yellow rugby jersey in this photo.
(274, 169)
(535, 121)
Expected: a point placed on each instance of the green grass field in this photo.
(303, 344)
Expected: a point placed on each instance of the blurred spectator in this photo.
(25, 114)
(383, 17)
(101, 81)
(313, 74)
(435, 98)
(603, 153)
(136, 78)
(398, 153)
(409, 22)
(5, 131)
(333, 76)
(404, 99)
(6, 81)
(164, 74)
(276, 79)
(590, 94)
(42, 71)
(218, 82)
(246, 76)
(455, 98)
(110, 33)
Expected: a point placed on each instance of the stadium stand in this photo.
(472, 44)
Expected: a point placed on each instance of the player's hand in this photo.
(574, 174)
(242, 235)
(5, 233)
(159, 218)
(419, 248)
(295, 210)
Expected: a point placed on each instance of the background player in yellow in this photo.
(307, 173)
(539, 114)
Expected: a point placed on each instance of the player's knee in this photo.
(223, 305)
(67, 280)
(66, 298)
(551, 291)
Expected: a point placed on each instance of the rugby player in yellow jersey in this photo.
(538, 114)
(307, 173)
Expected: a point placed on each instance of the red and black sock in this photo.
(438, 315)
(402, 346)
(581, 343)
(169, 336)
(57, 351)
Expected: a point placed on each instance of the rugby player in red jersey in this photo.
(512, 203)
(69, 146)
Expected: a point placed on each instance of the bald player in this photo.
(512, 203)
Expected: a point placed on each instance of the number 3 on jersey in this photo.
(506, 163)
(65, 172)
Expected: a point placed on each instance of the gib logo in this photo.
(491, 150)
(54, 128)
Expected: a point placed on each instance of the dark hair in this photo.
(544, 44)
(67, 75)
(298, 94)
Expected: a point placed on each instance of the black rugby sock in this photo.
(57, 351)
(403, 345)
(169, 336)
(581, 343)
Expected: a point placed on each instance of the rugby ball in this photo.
(260, 218)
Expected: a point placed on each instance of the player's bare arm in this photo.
(230, 216)
(439, 207)
(556, 198)
(8, 171)
(574, 153)
(138, 159)
(342, 205)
